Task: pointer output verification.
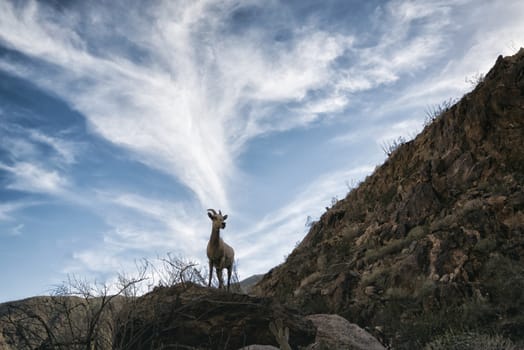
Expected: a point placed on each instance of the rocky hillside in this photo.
(433, 240)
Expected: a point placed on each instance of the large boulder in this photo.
(336, 333)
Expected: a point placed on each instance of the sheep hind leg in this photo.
(219, 275)
(228, 277)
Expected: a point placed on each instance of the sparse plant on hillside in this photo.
(281, 334)
(310, 221)
(351, 184)
(470, 341)
(79, 315)
(475, 79)
(334, 201)
(434, 112)
(175, 270)
(389, 147)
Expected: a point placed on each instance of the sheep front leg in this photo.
(210, 273)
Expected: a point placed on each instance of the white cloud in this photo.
(34, 178)
(483, 41)
(290, 74)
(99, 260)
(407, 11)
(331, 104)
(65, 150)
(180, 112)
(145, 110)
(26, 148)
(182, 228)
(17, 230)
(6, 209)
(18, 147)
(410, 37)
(407, 129)
(141, 227)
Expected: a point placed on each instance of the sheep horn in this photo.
(212, 211)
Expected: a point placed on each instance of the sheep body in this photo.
(219, 253)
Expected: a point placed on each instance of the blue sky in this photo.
(121, 122)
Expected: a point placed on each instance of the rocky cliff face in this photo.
(434, 239)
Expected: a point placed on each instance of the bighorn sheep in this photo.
(220, 254)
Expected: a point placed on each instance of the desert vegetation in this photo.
(80, 314)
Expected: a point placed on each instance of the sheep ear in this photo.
(225, 217)
(210, 216)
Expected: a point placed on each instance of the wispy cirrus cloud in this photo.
(479, 42)
(407, 36)
(180, 228)
(66, 151)
(29, 177)
(140, 227)
(138, 108)
(31, 144)
(6, 209)
(17, 230)
(35, 162)
(182, 109)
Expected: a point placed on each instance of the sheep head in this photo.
(217, 218)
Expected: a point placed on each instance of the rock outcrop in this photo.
(434, 239)
(206, 318)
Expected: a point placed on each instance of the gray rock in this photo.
(335, 332)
